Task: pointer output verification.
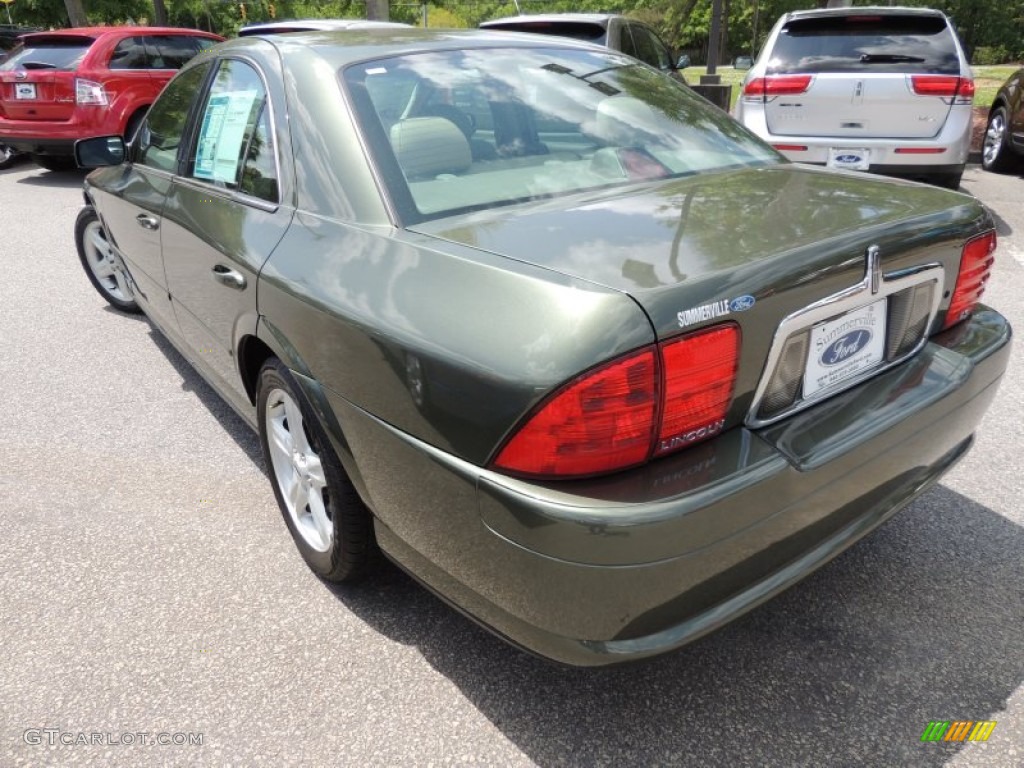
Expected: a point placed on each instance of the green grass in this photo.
(987, 80)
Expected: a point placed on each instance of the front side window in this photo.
(161, 134)
(562, 122)
(234, 148)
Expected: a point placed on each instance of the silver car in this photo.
(886, 90)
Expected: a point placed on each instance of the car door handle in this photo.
(147, 222)
(230, 277)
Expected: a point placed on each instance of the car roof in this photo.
(342, 47)
(309, 25)
(554, 18)
(97, 32)
(866, 10)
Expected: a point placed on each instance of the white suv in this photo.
(886, 90)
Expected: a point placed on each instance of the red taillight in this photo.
(777, 85)
(649, 403)
(601, 421)
(790, 147)
(920, 150)
(975, 267)
(947, 86)
(699, 372)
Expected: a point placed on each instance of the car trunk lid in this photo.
(706, 248)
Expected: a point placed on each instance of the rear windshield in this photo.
(49, 55)
(864, 43)
(578, 30)
(483, 128)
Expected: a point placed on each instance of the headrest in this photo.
(428, 146)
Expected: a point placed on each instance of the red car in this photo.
(73, 84)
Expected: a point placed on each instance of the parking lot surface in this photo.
(151, 592)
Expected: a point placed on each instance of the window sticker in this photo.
(222, 134)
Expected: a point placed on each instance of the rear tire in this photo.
(996, 154)
(332, 528)
(55, 162)
(8, 157)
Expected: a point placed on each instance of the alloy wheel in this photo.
(298, 471)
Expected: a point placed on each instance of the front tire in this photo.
(331, 526)
(101, 266)
(995, 151)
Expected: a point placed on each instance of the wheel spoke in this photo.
(122, 284)
(315, 471)
(102, 267)
(291, 409)
(295, 495)
(279, 438)
(98, 241)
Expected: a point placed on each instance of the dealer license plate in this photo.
(850, 159)
(845, 347)
(24, 90)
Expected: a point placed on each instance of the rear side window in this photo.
(130, 53)
(171, 51)
(866, 43)
(52, 54)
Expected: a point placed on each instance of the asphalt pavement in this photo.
(150, 592)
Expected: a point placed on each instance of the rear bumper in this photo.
(946, 152)
(601, 572)
(52, 137)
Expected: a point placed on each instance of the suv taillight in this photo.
(960, 89)
(975, 267)
(652, 402)
(777, 85)
(89, 93)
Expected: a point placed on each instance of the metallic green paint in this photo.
(421, 348)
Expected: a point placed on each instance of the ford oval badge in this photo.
(742, 303)
(847, 159)
(845, 347)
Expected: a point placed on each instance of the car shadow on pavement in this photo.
(225, 415)
(54, 179)
(920, 621)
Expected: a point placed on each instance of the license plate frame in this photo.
(845, 347)
(849, 158)
(25, 91)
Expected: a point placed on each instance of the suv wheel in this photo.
(995, 152)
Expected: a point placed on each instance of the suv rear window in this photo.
(865, 43)
(49, 54)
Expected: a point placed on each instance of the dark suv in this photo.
(58, 87)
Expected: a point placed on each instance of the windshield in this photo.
(865, 43)
(49, 55)
(472, 129)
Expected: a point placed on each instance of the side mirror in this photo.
(100, 152)
(684, 62)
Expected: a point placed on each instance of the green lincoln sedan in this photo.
(535, 322)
